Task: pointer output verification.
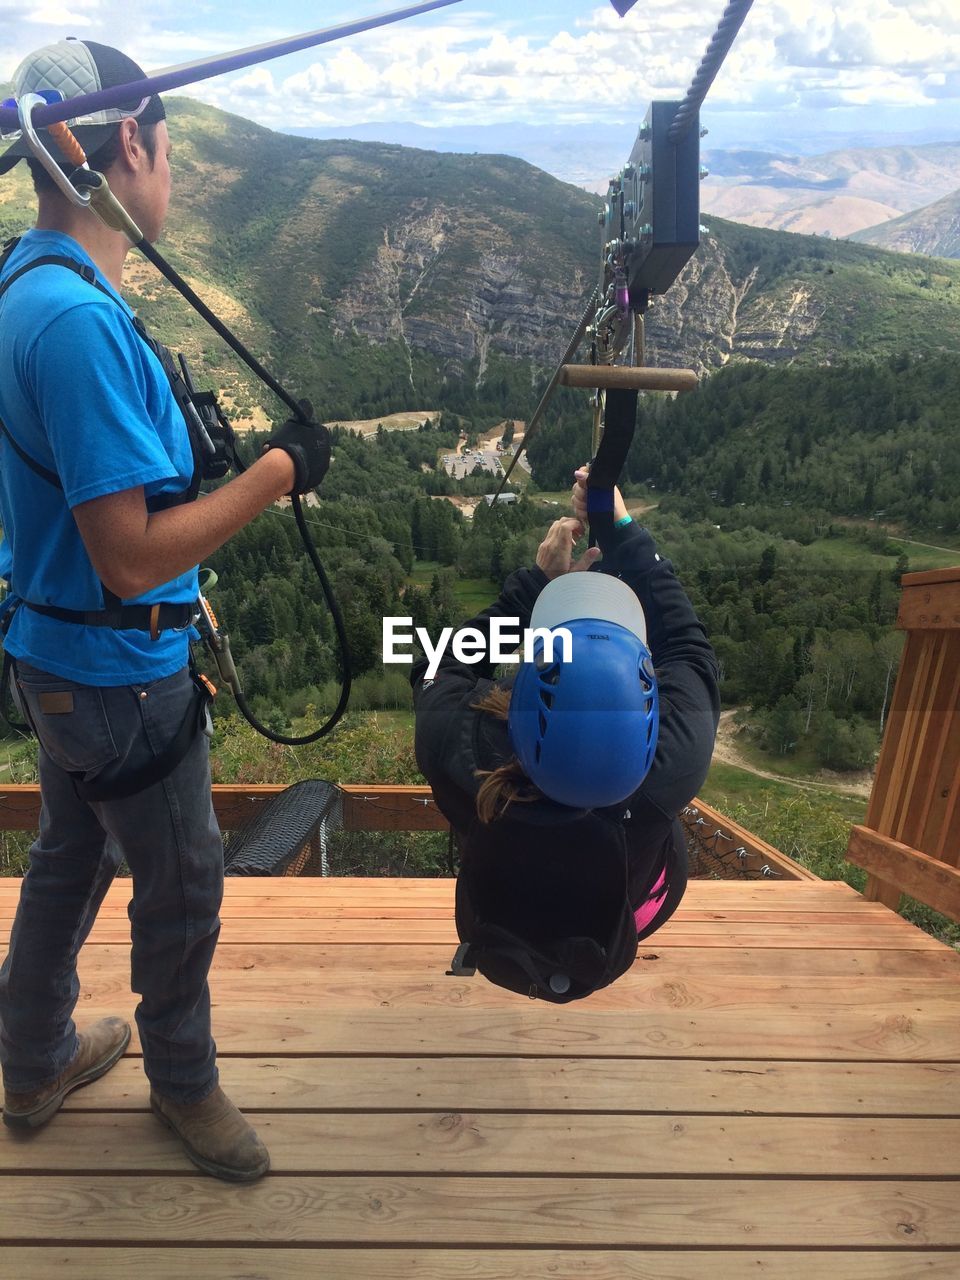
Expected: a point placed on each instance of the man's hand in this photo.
(579, 498)
(308, 444)
(556, 550)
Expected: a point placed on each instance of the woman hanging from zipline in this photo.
(563, 781)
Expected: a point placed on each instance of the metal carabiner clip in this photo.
(85, 188)
(25, 108)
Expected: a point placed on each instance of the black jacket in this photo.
(453, 741)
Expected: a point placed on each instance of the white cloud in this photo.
(461, 65)
(55, 15)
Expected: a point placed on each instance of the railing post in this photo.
(915, 803)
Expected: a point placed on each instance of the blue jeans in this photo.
(169, 836)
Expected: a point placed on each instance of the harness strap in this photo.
(53, 260)
(124, 617)
(620, 422)
(44, 473)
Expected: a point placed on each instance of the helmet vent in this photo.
(542, 719)
(546, 698)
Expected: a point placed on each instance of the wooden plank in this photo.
(532, 1145)
(368, 806)
(531, 1028)
(739, 890)
(374, 807)
(929, 606)
(565, 1084)
(918, 730)
(938, 838)
(320, 909)
(463, 1211)
(931, 577)
(942, 698)
(163, 1263)
(701, 895)
(895, 934)
(414, 962)
(642, 988)
(913, 872)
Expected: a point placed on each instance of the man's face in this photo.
(154, 185)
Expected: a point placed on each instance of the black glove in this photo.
(308, 444)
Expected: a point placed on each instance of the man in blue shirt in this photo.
(93, 448)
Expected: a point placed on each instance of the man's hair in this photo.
(101, 160)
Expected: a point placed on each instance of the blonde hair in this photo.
(509, 783)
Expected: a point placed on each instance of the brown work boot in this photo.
(100, 1048)
(215, 1136)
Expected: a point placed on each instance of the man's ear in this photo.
(130, 150)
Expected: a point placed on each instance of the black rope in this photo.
(230, 338)
(717, 50)
(341, 630)
(300, 413)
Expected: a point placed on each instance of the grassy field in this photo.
(846, 553)
(811, 826)
(401, 719)
(733, 790)
(472, 594)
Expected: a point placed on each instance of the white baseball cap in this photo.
(589, 595)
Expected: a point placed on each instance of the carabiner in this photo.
(25, 108)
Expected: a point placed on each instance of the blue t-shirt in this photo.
(84, 396)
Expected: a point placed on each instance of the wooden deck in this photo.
(773, 1091)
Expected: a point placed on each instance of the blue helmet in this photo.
(585, 731)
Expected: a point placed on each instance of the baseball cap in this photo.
(73, 68)
(573, 596)
(546, 914)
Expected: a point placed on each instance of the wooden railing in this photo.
(910, 840)
(739, 849)
(365, 808)
(379, 807)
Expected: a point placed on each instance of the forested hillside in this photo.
(852, 440)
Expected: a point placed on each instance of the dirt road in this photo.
(728, 751)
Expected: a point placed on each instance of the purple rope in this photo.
(191, 72)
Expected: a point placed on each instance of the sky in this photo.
(801, 69)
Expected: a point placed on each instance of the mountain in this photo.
(372, 277)
(586, 155)
(836, 194)
(933, 230)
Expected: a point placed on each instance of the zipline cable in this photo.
(554, 382)
(717, 50)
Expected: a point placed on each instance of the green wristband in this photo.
(618, 524)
